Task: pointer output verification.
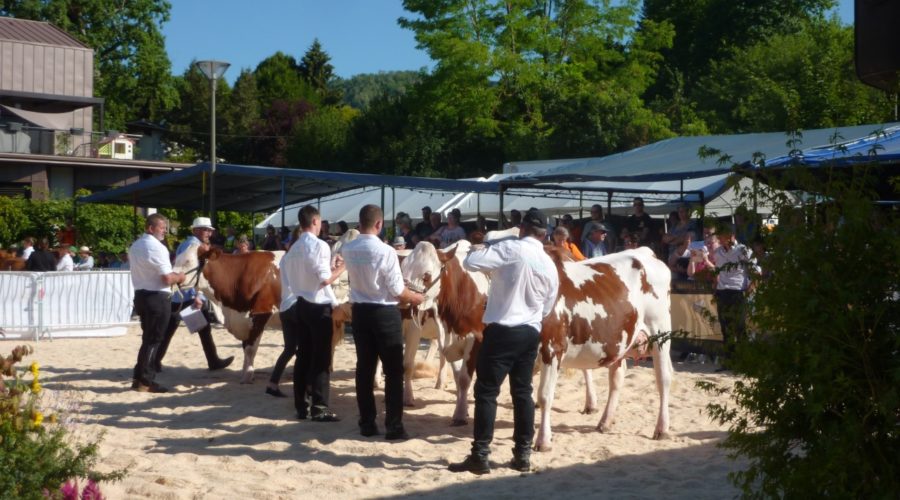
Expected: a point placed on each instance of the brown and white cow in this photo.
(460, 298)
(608, 309)
(248, 288)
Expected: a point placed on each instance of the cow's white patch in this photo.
(579, 273)
(588, 310)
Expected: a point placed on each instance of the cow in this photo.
(9, 261)
(609, 308)
(248, 288)
(460, 297)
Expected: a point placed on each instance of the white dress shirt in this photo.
(734, 267)
(65, 263)
(303, 269)
(524, 281)
(149, 260)
(86, 264)
(27, 252)
(374, 271)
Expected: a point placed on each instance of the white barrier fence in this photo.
(65, 304)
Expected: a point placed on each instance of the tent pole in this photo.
(394, 209)
(382, 202)
(501, 219)
(681, 189)
(580, 204)
(478, 204)
(702, 205)
(608, 204)
(282, 200)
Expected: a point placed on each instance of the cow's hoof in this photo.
(543, 447)
(409, 404)
(604, 427)
(459, 422)
(661, 435)
(589, 411)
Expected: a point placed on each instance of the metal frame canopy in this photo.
(244, 188)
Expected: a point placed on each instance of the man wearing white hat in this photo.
(85, 261)
(201, 230)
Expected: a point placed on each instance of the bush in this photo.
(817, 411)
(36, 456)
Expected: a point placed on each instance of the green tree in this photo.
(189, 122)
(240, 116)
(802, 79)
(322, 140)
(318, 72)
(132, 69)
(278, 78)
(14, 220)
(107, 228)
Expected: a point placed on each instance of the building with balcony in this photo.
(48, 144)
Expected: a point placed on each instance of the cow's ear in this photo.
(449, 254)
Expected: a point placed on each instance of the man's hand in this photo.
(416, 299)
(198, 303)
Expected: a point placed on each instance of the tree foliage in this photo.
(817, 406)
(360, 90)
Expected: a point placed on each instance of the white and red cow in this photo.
(460, 297)
(248, 288)
(608, 308)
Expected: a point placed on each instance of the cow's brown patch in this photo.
(460, 304)
(646, 287)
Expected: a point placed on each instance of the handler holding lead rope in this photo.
(524, 286)
(376, 287)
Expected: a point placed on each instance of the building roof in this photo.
(24, 30)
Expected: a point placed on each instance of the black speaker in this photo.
(877, 30)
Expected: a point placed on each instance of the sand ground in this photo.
(212, 437)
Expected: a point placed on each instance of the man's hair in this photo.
(561, 231)
(43, 244)
(598, 207)
(29, 240)
(306, 216)
(724, 229)
(155, 219)
(369, 215)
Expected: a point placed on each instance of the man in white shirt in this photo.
(86, 261)
(735, 266)
(152, 277)
(65, 260)
(376, 287)
(27, 247)
(524, 286)
(306, 271)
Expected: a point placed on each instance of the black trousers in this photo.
(154, 308)
(506, 350)
(378, 334)
(731, 307)
(290, 332)
(205, 334)
(314, 356)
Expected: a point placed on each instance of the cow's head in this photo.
(420, 268)
(189, 262)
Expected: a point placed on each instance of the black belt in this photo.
(372, 305)
(150, 292)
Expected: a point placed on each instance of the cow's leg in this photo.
(251, 345)
(616, 380)
(412, 333)
(662, 365)
(463, 382)
(590, 393)
(546, 390)
(443, 338)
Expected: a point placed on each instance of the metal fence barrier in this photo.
(64, 304)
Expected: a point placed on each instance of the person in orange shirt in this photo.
(560, 238)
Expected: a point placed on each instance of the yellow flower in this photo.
(35, 386)
(35, 368)
(36, 418)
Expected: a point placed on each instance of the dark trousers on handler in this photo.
(731, 307)
(205, 334)
(505, 351)
(290, 332)
(378, 333)
(314, 358)
(154, 308)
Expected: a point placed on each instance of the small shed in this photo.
(118, 147)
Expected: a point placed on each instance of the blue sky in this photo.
(361, 36)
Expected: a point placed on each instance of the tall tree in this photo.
(278, 78)
(133, 71)
(803, 79)
(318, 72)
(240, 116)
(189, 122)
(360, 90)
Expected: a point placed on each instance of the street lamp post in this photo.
(213, 70)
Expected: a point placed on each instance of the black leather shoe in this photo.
(221, 364)
(368, 430)
(275, 392)
(325, 416)
(396, 435)
(472, 463)
(520, 463)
